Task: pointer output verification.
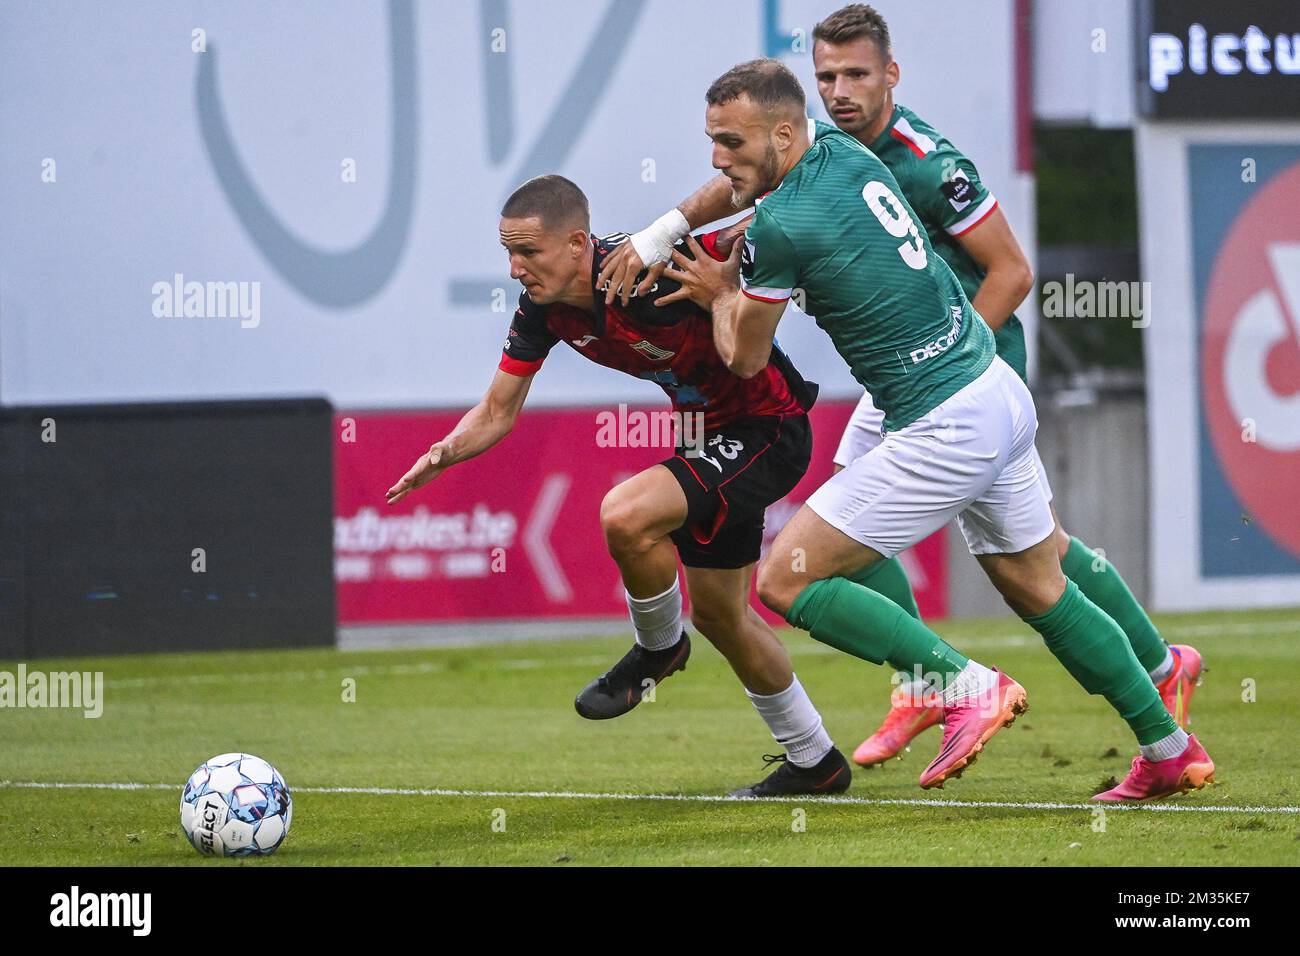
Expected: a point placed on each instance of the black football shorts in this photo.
(742, 467)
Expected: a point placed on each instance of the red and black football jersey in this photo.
(671, 346)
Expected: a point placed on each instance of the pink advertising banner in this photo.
(515, 534)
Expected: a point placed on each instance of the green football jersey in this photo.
(945, 189)
(838, 229)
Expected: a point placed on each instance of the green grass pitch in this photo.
(497, 724)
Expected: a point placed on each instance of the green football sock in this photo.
(1103, 586)
(858, 621)
(1093, 649)
(888, 578)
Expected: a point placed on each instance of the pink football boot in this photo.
(969, 724)
(1153, 779)
(1176, 689)
(906, 719)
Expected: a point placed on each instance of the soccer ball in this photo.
(236, 805)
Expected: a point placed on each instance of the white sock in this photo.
(658, 619)
(1165, 668)
(795, 723)
(973, 681)
(1166, 747)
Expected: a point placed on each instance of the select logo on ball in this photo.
(210, 815)
(236, 805)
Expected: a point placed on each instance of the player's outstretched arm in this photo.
(482, 427)
(652, 246)
(1007, 276)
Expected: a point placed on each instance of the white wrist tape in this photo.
(655, 242)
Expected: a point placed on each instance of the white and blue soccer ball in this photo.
(236, 805)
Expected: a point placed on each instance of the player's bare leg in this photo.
(803, 578)
(1031, 581)
(720, 610)
(637, 516)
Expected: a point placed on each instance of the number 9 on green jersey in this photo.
(838, 228)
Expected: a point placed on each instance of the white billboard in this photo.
(249, 199)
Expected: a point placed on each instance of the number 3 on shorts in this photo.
(893, 215)
(727, 447)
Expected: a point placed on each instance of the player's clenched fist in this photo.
(426, 468)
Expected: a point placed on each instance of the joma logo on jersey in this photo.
(653, 352)
(940, 345)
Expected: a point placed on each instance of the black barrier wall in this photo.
(166, 527)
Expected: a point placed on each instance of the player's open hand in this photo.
(619, 271)
(426, 468)
(703, 278)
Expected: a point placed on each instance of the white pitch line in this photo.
(686, 798)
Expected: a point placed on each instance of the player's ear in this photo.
(783, 135)
(891, 74)
(578, 239)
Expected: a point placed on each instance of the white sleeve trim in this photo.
(968, 221)
(766, 293)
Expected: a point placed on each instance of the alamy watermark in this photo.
(638, 429)
(130, 910)
(83, 690)
(1086, 299)
(208, 300)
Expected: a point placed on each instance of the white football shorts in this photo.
(971, 458)
(865, 431)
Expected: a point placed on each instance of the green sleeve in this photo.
(769, 268)
(947, 191)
